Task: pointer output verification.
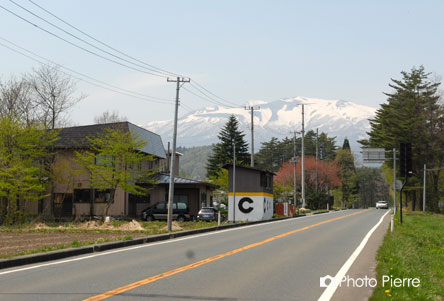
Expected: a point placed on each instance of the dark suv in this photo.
(159, 211)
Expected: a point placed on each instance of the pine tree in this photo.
(223, 151)
(412, 114)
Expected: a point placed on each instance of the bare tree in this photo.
(16, 100)
(108, 117)
(55, 94)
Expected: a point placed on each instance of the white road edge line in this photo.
(330, 290)
(150, 245)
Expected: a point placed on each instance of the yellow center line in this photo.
(207, 260)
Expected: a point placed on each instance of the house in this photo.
(73, 195)
(252, 196)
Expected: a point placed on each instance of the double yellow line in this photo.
(207, 260)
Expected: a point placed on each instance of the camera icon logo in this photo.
(327, 281)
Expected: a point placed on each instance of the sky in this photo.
(241, 51)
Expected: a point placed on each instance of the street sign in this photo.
(373, 155)
(398, 184)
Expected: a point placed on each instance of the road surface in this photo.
(281, 260)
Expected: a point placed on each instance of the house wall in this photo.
(70, 175)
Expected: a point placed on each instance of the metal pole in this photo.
(303, 161)
(251, 109)
(234, 180)
(394, 181)
(252, 138)
(294, 172)
(424, 189)
(173, 154)
(317, 158)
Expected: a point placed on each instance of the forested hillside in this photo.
(194, 161)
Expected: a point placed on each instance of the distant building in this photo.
(253, 194)
(73, 194)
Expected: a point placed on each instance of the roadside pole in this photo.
(178, 80)
(424, 189)
(394, 181)
(234, 180)
(303, 161)
(392, 223)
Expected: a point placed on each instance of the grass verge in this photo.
(414, 250)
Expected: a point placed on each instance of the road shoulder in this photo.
(364, 265)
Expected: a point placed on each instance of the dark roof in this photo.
(163, 178)
(226, 166)
(75, 137)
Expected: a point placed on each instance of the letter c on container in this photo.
(241, 205)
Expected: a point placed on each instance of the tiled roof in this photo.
(75, 137)
(165, 179)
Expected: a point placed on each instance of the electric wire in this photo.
(166, 72)
(84, 75)
(158, 71)
(224, 100)
(77, 46)
(205, 98)
(82, 40)
(87, 81)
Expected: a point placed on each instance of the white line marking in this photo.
(150, 245)
(330, 290)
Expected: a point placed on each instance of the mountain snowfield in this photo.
(274, 119)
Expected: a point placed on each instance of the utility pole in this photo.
(252, 109)
(394, 181)
(303, 161)
(234, 180)
(178, 80)
(317, 159)
(294, 171)
(424, 189)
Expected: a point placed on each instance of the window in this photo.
(181, 198)
(181, 206)
(265, 180)
(82, 195)
(161, 206)
(104, 160)
(102, 196)
(140, 198)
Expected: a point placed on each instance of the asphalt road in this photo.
(274, 261)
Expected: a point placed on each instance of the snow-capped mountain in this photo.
(274, 119)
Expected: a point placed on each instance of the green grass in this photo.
(414, 250)
(74, 244)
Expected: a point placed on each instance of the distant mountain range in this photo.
(274, 119)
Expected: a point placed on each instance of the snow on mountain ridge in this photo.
(277, 118)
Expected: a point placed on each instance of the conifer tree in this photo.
(413, 114)
(223, 151)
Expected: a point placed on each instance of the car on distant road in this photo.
(159, 211)
(207, 214)
(381, 205)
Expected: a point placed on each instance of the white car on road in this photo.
(381, 205)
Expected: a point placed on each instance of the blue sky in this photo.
(240, 50)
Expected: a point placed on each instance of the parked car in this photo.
(207, 214)
(381, 205)
(159, 211)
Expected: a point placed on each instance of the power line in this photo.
(205, 98)
(102, 43)
(153, 70)
(227, 101)
(82, 40)
(81, 74)
(87, 81)
(77, 46)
